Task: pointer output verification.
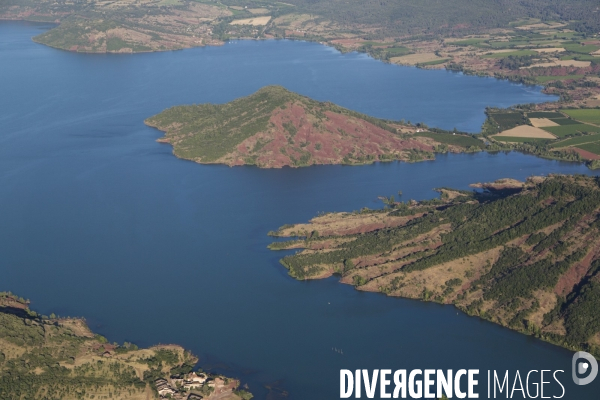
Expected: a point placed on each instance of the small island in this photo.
(49, 357)
(525, 255)
(274, 127)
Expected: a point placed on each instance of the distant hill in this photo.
(275, 127)
(523, 255)
(432, 16)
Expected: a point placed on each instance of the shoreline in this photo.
(340, 49)
(410, 250)
(159, 371)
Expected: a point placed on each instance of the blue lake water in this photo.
(98, 220)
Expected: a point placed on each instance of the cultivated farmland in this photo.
(564, 130)
(591, 116)
(526, 131)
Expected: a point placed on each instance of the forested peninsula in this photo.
(274, 127)
(54, 358)
(525, 255)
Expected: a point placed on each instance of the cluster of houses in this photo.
(179, 388)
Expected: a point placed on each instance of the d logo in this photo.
(588, 363)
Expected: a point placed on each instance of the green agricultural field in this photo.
(586, 115)
(580, 57)
(468, 42)
(544, 114)
(398, 51)
(501, 45)
(567, 35)
(565, 121)
(512, 139)
(591, 147)
(579, 48)
(434, 62)
(456, 140)
(577, 141)
(508, 120)
(564, 130)
(519, 42)
(544, 79)
(516, 53)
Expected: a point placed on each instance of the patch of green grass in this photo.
(590, 115)
(577, 141)
(567, 35)
(579, 48)
(519, 42)
(544, 114)
(508, 120)
(544, 79)
(238, 13)
(513, 139)
(591, 147)
(456, 140)
(564, 130)
(116, 44)
(501, 45)
(580, 57)
(434, 62)
(565, 121)
(516, 53)
(398, 51)
(468, 42)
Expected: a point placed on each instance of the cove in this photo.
(100, 221)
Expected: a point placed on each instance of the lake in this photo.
(100, 221)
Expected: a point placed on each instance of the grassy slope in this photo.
(61, 359)
(522, 260)
(209, 131)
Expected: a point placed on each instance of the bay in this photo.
(98, 220)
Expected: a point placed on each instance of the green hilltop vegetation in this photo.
(523, 255)
(55, 358)
(275, 127)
